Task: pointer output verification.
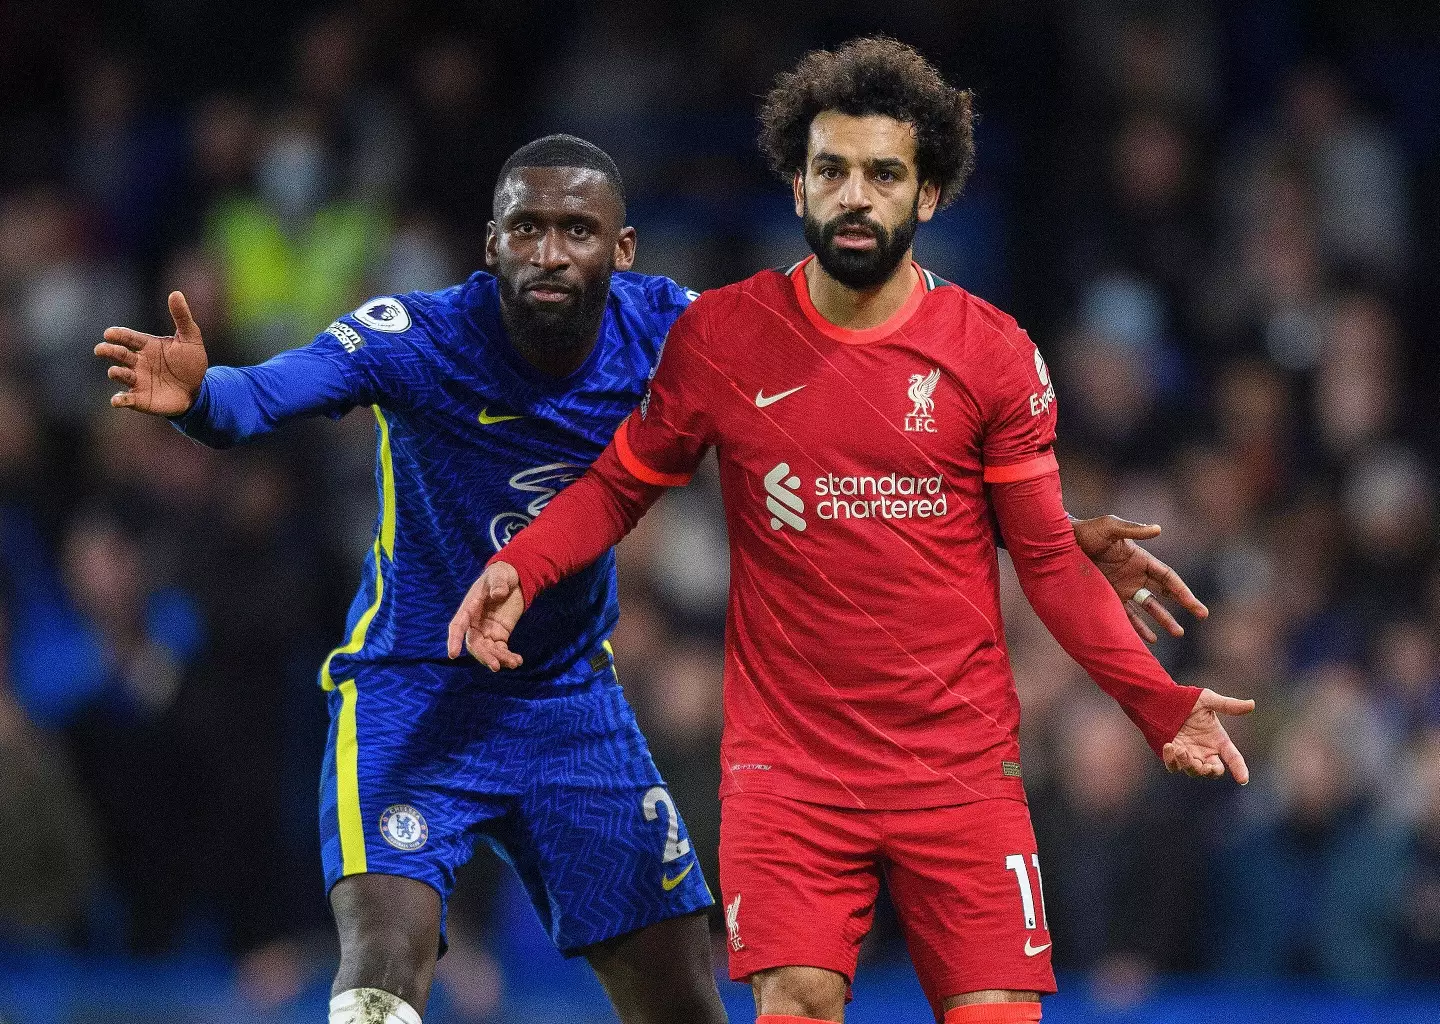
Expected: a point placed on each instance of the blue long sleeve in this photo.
(238, 403)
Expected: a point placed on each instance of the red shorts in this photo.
(799, 882)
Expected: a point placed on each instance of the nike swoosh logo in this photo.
(762, 399)
(669, 883)
(486, 419)
(1035, 950)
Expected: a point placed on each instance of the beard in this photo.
(548, 330)
(861, 268)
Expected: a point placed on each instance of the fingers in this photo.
(455, 641)
(1225, 705)
(122, 400)
(185, 327)
(123, 375)
(132, 340)
(482, 650)
(1146, 633)
(1235, 761)
(472, 627)
(117, 354)
(1170, 582)
(1161, 614)
(1180, 758)
(469, 609)
(1119, 529)
(492, 653)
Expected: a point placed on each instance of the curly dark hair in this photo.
(873, 75)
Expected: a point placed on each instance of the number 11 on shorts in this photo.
(1016, 863)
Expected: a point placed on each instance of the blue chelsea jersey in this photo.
(472, 444)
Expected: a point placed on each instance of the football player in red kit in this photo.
(869, 419)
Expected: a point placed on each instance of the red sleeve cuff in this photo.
(638, 469)
(1027, 470)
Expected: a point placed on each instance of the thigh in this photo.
(397, 795)
(799, 883)
(967, 887)
(598, 841)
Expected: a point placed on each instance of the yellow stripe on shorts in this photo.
(347, 785)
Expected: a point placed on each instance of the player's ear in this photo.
(929, 201)
(625, 249)
(799, 186)
(492, 243)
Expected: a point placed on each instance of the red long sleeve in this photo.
(1082, 612)
(579, 524)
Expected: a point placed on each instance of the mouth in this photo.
(548, 291)
(855, 237)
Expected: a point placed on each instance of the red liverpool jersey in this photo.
(865, 661)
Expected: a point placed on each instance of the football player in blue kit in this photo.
(489, 397)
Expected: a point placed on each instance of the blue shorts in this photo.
(423, 760)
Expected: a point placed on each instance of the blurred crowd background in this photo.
(1220, 222)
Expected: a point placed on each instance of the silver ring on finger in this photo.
(1142, 595)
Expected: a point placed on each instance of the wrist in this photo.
(199, 403)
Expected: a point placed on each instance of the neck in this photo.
(859, 309)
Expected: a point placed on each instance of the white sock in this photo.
(371, 1006)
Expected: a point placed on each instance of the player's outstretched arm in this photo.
(222, 405)
(161, 376)
(579, 525)
(1084, 614)
(1137, 576)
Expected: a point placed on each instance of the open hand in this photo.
(487, 616)
(1136, 574)
(160, 375)
(1202, 748)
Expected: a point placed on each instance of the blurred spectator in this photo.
(296, 253)
(1311, 878)
(50, 864)
(106, 668)
(1121, 855)
(1356, 398)
(1420, 933)
(124, 163)
(65, 291)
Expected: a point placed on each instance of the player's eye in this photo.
(885, 177)
(524, 227)
(579, 231)
(830, 173)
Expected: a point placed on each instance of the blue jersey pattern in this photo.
(473, 442)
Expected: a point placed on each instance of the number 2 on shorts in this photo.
(1016, 863)
(675, 847)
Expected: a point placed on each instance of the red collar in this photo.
(865, 335)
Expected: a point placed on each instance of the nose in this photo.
(853, 194)
(550, 254)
